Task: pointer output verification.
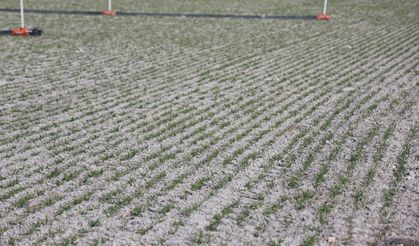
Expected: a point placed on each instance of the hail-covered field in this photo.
(173, 130)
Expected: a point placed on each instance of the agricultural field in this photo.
(130, 130)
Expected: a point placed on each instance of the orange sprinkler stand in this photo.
(323, 17)
(21, 31)
(109, 12)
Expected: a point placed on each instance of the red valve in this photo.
(21, 31)
(323, 17)
(109, 12)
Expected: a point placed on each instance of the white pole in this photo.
(325, 7)
(110, 5)
(22, 18)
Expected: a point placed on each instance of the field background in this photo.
(127, 130)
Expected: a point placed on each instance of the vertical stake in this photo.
(324, 7)
(110, 5)
(22, 18)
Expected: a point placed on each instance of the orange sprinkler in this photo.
(22, 30)
(109, 11)
(324, 16)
